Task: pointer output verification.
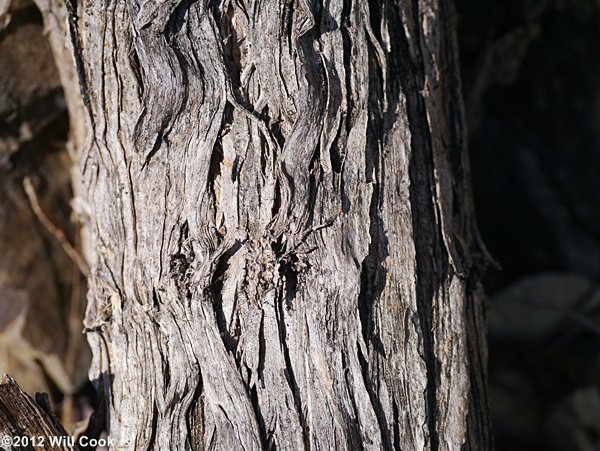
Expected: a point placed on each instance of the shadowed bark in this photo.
(281, 237)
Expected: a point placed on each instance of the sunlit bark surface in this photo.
(281, 238)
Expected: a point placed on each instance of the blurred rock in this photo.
(545, 363)
(531, 308)
(574, 422)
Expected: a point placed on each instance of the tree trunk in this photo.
(282, 243)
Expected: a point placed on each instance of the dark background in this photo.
(531, 79)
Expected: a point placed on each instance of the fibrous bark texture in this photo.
(284, 253)
(25, 423)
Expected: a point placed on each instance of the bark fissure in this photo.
(428, 256)
(376, 403)
(289, 369)
(78, 58)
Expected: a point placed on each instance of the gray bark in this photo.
(281, 237)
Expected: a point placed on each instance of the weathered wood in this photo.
(28, 424)
(283, 245)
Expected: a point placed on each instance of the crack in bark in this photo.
(264, 435)
(373, 274)
(154, 428)
(196, 419)
(396, 426)
(375, 401)
(425, 224)
(289, 370)
(78, 56)
(216, 285)
(354, 439)
(180, 263)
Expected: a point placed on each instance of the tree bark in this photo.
(28, 424)
(282, 242)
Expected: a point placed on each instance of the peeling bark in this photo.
(283, 249)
